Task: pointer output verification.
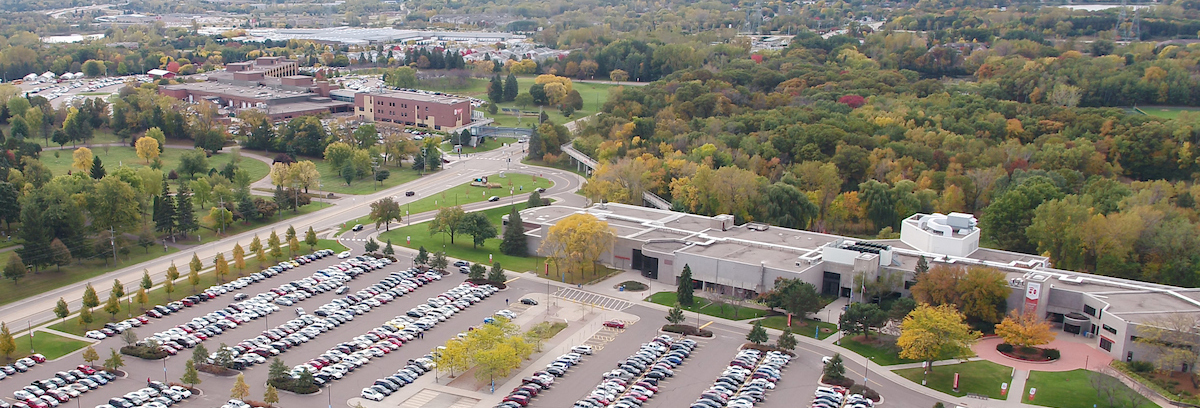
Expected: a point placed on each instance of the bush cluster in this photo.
(144, 352)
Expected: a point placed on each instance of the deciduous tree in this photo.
(861, 318)
(447, 221)
(90, 355)
(1175, 337)
(90, 299)
(240, 390)
(147, 147)
(15, 268)
(1024, 330)
(310, 238)
(61, 310)
(578, 240)
(7, 343)
(114, 361)
(383, 212)
(935, 332)
(190, 376)
(479, 227)
(797, 297)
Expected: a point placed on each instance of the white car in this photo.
(344, 255)
(372, 394)
(582, 349)
(95, 334)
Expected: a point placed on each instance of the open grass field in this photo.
(117, 156)
(801, 327)
(461, 248)
(1165, 112)
(975, 377)
(885, 353)
(332, 181)
(465, 193)
(704, 306)
(594, 95)
(1073, 389)
(47, 344)
(52, 278)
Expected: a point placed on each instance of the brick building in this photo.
(439, 112)
(281, 98)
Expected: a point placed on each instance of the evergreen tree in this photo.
(371, 246)
(164, 210)
(281, 198)
(496, 90)
(535, 200)
(675, 315)
(61, 310)
(510, 88)
(786, 341)
(684, 293)
(388, 249)
(757, 335)
(496, 274)
(97, 168)
(514, 242)
(184, 212)
(422, 255)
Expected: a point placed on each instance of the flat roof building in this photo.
(280, 98)
(409, 108)
(745, 260)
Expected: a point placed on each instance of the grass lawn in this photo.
(207, 234)
(883, 355)
(465, 193)
(800, 327)
(593, 95)
(1071, 389)
(332, 181)
(51, 278)
(490, 143)
(705, 307)
(1165, 112)
(461, 248)
(158, 294)
(116, 156)
(48, 344)
(975, 377)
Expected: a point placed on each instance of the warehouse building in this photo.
(745, 260)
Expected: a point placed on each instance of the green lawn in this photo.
(975, 377)
(158, 295)
(490, 143)
(1166, 112)
(1072, 389)
(461, 248)
(117, 156)
(48, 344)
(883, 355)
(705, 307)
(332, 181)
(465, 193)
(805, 327)
(594, 95)
(51, 278)
(207, 233)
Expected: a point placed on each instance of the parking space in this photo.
(593, 299)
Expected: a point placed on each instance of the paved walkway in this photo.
(1076, 353)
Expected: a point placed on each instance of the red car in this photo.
(86, 369)
(143, 319)
(38, 358)
(616, 324)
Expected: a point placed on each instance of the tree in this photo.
(82, 160)
(169, 287)
(165, 210)
(172, 272)
(447, 221)
(496, 273)
(388, 249)
(618, 75)
(114, 361)
(220, 267)
(256, 247)
(938, 286)
(477, 272)
(675, 315)
(510, 88)
(371, 245)
(142, 297)
(922, 267)
(118, 289)
(933, 333)
(190, 376)
(1024, 330)
(439, 261)
(278, 370)
(786, 341)
(479, 227)
(239, 257)
(514, 242)
(348, 173)
(983, 292)
(90, 299)
(85, 317)
(874, 290)
(1174, 338)
(224, 357)
(685, 292)
(194, 279)
(901, 307)
(274, 244)
(61, 310)
(496, 90)
(90, 355)
(195, 265)
(835, 369)
(113, 305)
(270, 396)
(192, 162)
(185, 215)
(797, 297)
(578, 240)
(861, 318)
(310, 238)
(757, 335)
(422, 256)
(146, 282)
(383, 212)
(147, 147)
(1010, 215)
(456, 357)
(535, 200)
(7, 343)
(15, 268)
(240, 390)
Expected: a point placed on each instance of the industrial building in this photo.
(745, 260)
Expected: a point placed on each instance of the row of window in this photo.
(403, 105)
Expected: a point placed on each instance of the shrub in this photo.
(293, 385)
(1141, 366)
(1052, 354)
(866, 392)
(687, 330)
(842, 382)
(144, 352)
(634, 286)
(1004, 348)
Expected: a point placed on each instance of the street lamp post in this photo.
(867, 370)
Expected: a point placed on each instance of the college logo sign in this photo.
(1033, 292)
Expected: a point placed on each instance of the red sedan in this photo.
(616, 324)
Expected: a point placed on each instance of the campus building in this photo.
(745, 260)
(281, 98)
(408, 108)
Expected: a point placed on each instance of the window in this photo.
(1106, 344)
(909, 284)
(1089, 310)
(1109, 329)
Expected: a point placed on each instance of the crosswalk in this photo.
(431, 398)
(593, 299)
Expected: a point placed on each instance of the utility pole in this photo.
(112, 238)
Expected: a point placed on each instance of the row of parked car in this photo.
(385, 386)
(402, 328)
(745, 382)
(304, 327)
(836, 397)
(541, 380)
(155, 395)
(344, 357)
(191, 333)
(21, 365)
(60, 388)
(636, 378)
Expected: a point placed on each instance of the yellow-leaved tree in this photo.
(82, 159)
(577, 241)
(935, 332)
(1024, 330)
(147, 147)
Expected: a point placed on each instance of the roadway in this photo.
(39, 308)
